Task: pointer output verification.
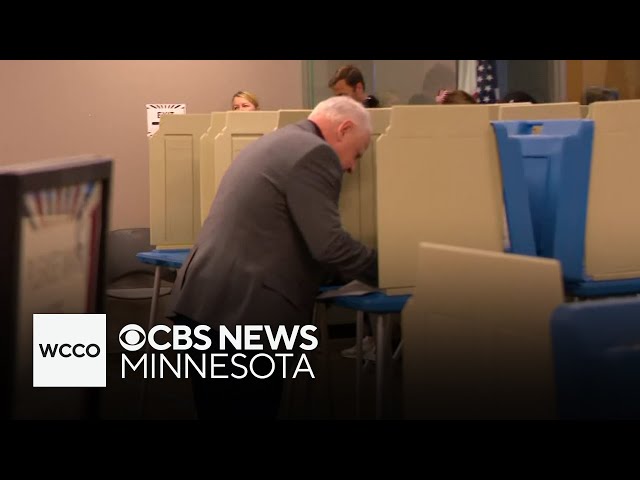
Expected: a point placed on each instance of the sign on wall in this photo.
(157, 110)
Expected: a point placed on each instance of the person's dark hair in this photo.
(371, 102)
(350, 74)
(458, 97)
(518, 96)
(599, 94)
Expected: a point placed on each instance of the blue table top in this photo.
(164, 258)
(374, 302)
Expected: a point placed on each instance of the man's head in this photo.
(346, 126)
(348, 80)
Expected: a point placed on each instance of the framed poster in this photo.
(53, 229)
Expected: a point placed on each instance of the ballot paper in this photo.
(350, 289)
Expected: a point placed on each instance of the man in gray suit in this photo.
(272, 236)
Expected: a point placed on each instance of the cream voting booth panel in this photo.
(358, 194)
(285, 117)
(174, 171)
(612, 243)
(494, 111)
(438, 180)
(476, 335)
(207, 162)
(240, 130)
(539, 111)
(247, 126)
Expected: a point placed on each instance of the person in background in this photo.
(271, 238)
(454, 97)
(348, 80)
(600, 94)
(518, 96)
(245, 101)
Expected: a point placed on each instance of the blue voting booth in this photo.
(597, 359)
(550, 160)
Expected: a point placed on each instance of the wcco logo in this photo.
(69, 350)
(78, 350)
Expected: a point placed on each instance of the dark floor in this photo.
(330, 395)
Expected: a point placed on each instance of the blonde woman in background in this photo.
(246, 101)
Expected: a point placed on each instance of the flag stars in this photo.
(486, 82)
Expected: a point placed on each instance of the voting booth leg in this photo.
(320, 320)
(383, 399)
(359, 359)
(152, 321)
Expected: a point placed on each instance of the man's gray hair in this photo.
(342, 108)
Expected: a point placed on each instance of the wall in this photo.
(67, 107)
(531, 76)
(623, 75)
(398, 80)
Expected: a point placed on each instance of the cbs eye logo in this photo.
(132, 337)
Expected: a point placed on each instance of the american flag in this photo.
(487, 81)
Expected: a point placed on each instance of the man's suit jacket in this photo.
(271, 236)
